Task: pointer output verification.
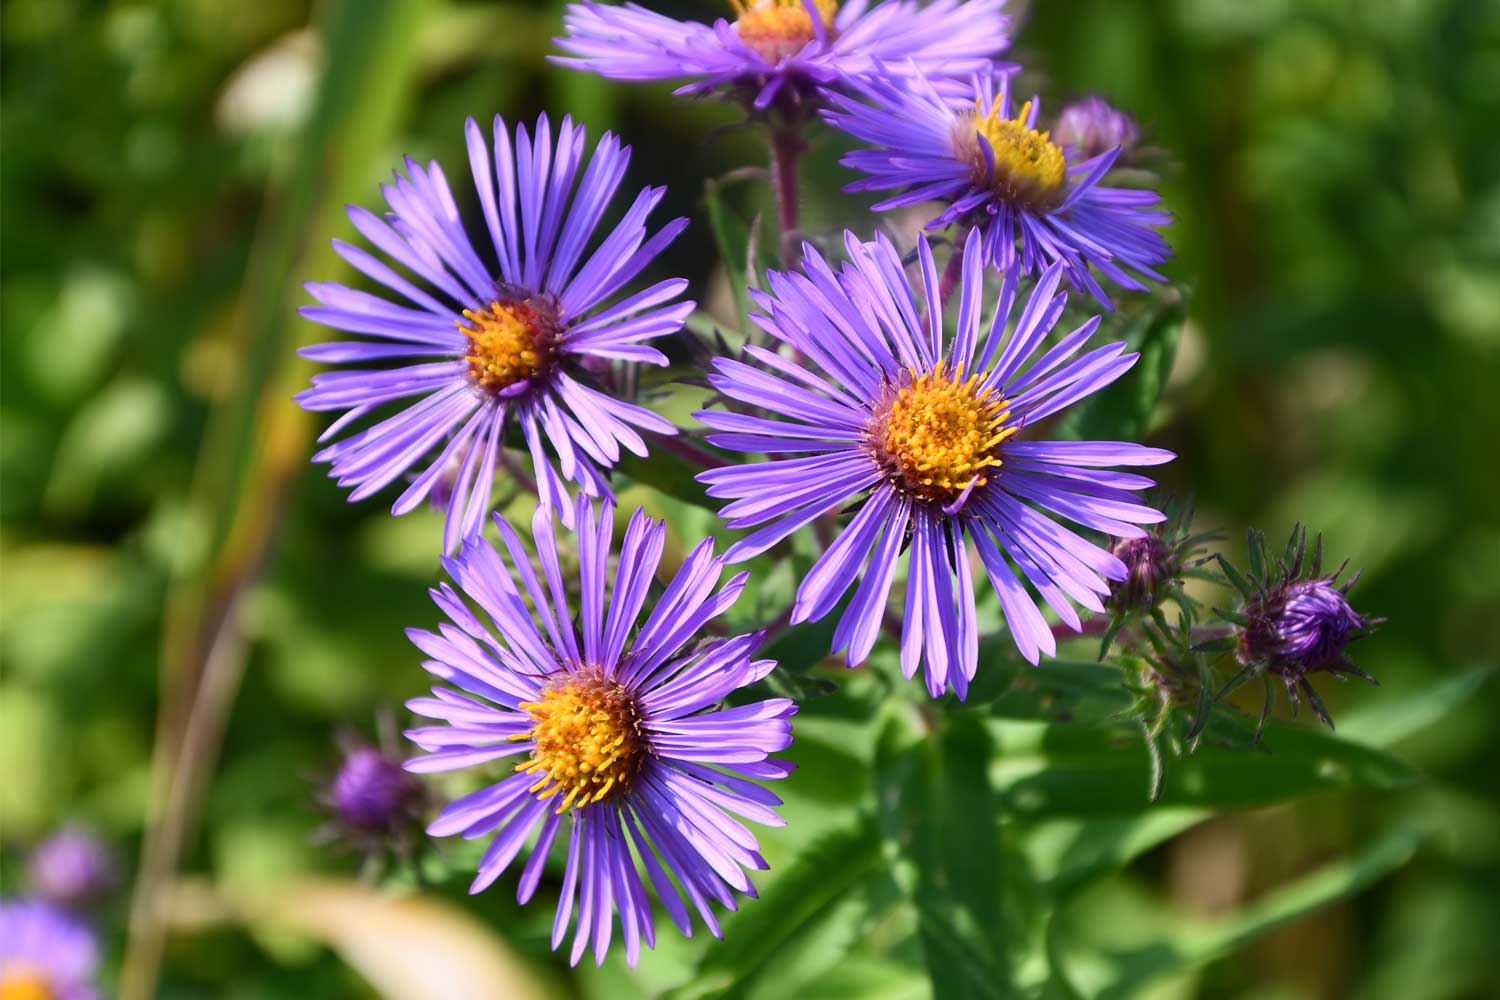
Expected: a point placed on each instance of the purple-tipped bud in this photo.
(372, 796)
(1094, 126)
(1151, 564)
(72, 868)
(1299, 628)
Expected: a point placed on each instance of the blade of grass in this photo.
(257, 439)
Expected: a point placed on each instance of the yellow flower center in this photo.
(779, 28)
(939, 433)
(588, 740)
(508, 343)
(1029, 166)
(23, 983)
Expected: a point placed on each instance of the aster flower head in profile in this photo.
(624, 752)
(46, 953)
(489, 339)
(931, 443)
(993, 166)
(788, 49)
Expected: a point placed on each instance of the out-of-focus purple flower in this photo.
(72, 868)
(497, 340)
(373, 797)
(931, 443)
(1093, 127)
(624, 749)
(790, 48)
(994, 168)
(45, 953)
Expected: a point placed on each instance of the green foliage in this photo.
(172, 173)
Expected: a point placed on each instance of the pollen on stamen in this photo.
(509, 342)
(775, 29)
(588, 745)
(939, 433)
(1028, 166)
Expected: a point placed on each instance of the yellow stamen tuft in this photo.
(1029, 166)
(779, 28)
(588, 741)
(508, 343)
(22, 983)
(940, 432)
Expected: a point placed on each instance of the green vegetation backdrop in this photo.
(172, 173)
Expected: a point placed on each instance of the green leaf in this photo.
(1048, 769)
(803, 923)
(733, 238)
(1060, 690)
(1123, 411)
(1198, 944)
(667, 473)
(1388, 721)
(1067, 851)
(942, 819)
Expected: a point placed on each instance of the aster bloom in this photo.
(1093, 127)
(927, 441)
(794, 48)
(494, 345)
(71, 868)
(1294, 621)
(1033, 200)
(621, 747)
(45, 953)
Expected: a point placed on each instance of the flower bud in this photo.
(1093, 126)
(71, 868)
(1299, 628)
(1151, 564)
(372, 796)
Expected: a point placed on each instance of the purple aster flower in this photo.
(795, 48)
(45, 953)
(1031, 199)
(931, 444)
(71, 868)
(618, 726)
(1093, 127)
(491, 345)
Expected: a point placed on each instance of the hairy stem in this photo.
(787, 146)
(689, 450)
(953, 273)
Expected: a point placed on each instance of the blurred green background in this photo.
(172, 173)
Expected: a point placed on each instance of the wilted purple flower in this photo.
(784, 47)
(1093, 127)
(995, 170)
(618, 726)
(494, 343)
(932, 445)
(71, 868)
(45, 953)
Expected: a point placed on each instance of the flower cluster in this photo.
(904, 420)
